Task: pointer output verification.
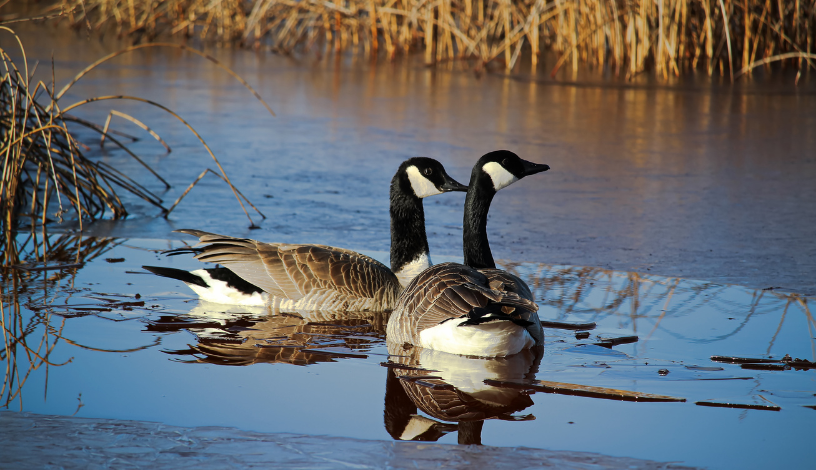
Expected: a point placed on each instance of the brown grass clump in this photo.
(47, 177)
(667, 36)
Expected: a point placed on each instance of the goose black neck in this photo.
(474, 239)
(408, 238)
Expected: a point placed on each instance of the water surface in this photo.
(121, 343)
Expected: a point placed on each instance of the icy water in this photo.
(664, 184)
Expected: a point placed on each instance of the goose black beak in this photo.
(531, 168)
(451, 184)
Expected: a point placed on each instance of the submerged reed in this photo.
(628, 37)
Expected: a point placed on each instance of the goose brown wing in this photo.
(294, 271)
(451, 290)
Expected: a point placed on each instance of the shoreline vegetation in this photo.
(47, 176)
(666, 37)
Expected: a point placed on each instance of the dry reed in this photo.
(629, 37)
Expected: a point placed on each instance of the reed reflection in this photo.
(451, 391)
(766, 321)
(37, 268)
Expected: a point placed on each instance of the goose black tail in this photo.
(180, 274)
(490, 313)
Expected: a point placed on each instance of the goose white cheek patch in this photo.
(501, 177)
(423, 187)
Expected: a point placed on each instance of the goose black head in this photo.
(425, 177)
(502, 168)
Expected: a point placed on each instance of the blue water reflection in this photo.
(107, 340)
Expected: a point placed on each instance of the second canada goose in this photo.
(318, 277)
(473, 308)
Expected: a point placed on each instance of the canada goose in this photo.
(472, 309)
(318, 277)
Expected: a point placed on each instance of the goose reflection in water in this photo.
(247, 335)
(450, 389)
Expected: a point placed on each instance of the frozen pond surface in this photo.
(102, 443)
(691, 180)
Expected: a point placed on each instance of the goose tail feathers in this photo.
(179, 274)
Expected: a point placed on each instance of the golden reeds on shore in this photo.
(730, 37)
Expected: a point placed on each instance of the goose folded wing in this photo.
(451, 291)
(344, 271)
(294, 271)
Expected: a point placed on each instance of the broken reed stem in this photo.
(132, 119)
(203, 173)
(665, 35)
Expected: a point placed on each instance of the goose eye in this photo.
(506, 162)
(427, 171)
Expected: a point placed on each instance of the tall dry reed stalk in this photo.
(628, 36)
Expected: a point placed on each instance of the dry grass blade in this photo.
(776, 58)
(32, 18)
(727, 39)
(134, 121)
